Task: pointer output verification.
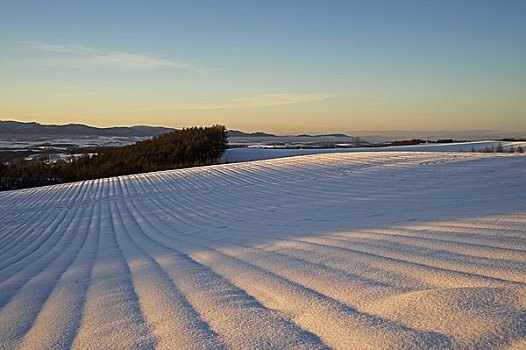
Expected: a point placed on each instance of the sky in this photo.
(278, 66)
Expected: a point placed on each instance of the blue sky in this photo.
(281, 66)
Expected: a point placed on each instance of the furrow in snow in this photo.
(60, 317)
(239, 320)
(61, 234)
(19, 314)
(338, 326)
(451, 244)
(111, 315)
(351, 290)
(42, 237)
(435, 276)
(173, 321)
(511, 271)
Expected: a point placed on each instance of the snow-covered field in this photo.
(234, 155)
(380, 250)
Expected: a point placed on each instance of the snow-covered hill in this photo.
(381, 250)
(257, 153)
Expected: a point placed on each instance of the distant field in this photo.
(257, 152)
(59, 148)
(365, 250)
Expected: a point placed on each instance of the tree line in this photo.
(188, 147)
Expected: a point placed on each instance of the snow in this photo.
(234, 155)
(12, 143)
(353, 250)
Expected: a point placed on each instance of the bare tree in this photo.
(356, 141)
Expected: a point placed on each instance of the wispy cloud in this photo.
(74, 91)
(256, 101)
(80, 55)
(264, 100)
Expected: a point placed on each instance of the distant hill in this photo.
(237, 133)
(323, 135)
(34, 130)
(13, 129)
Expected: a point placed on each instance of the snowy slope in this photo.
(234, 155)
(394, 250)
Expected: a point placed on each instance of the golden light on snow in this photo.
(386, 250)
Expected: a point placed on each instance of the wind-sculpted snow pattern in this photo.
(398, 250)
